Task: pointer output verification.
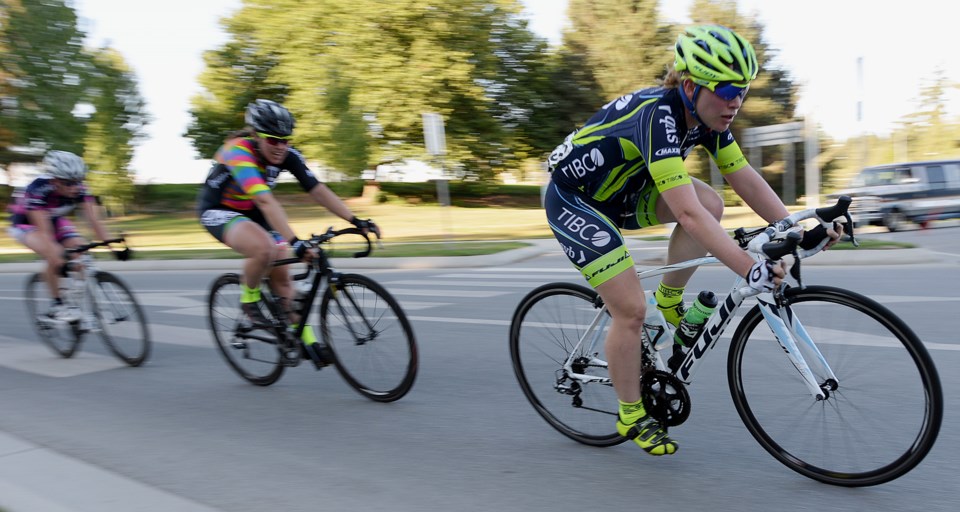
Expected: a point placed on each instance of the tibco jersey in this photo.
(239, 172)
(633, 139)
(41, 194)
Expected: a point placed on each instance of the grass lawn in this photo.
(409, 230)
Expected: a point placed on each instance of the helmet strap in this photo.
(691, 104)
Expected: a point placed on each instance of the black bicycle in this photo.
(363, 331)
(104, 302)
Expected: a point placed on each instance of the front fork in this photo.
(788, 330)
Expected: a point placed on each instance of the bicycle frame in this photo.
(786, 328)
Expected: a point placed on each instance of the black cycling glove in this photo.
(299, 247)
(124, 254)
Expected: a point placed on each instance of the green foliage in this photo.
(114, 126)
(55, 94)
(42, 66)
(359, 75)
(467, 193)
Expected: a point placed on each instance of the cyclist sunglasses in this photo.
(273, 140)
(727, 91)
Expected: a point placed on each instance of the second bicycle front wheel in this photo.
(123, 326)
(252, 353)
(548, 329)
(882, 411)
(370, 337)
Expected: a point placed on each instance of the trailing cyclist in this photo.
(624, 169)
(236, 204)
(38, 220)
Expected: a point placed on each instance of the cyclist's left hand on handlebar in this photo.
(766, 275)
(302, 249)
(366, 225)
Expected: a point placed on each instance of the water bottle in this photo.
(693, 320)
(301, 288)
(655, 326)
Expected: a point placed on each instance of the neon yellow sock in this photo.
(307, 336)
(631, 412)
(248, 294)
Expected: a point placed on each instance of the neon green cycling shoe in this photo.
(649, 435)
(673, 313)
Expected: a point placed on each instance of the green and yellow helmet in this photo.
(711, 53)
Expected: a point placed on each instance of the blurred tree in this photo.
(113, 128)
(55, 94)
(42, 65)
(378, 65)
(622, 42)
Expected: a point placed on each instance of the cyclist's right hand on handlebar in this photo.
(366, 224)
(766, 275)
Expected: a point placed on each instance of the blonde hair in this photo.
(673, 78)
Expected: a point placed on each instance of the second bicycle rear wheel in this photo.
(370, 337)
(881, 414)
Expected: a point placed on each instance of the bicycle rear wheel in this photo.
(62, 337)
(123, 326)
(252, 353)
(546, 328)
(882, 413)
(372, 342)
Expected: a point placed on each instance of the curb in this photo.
(645, 254)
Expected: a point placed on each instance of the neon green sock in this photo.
(631, 412)
(248, 294)
(307, 336)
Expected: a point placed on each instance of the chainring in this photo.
(665, 397)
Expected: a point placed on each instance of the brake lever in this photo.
(853, 240)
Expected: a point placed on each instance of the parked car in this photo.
(894, 195)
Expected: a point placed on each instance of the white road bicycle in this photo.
(848, 396)
(106, 305)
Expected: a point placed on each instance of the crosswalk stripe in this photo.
(38, 359)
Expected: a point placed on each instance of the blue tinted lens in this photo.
(728, 91)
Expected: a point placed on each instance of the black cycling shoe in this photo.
(254, 312)
(318, 353)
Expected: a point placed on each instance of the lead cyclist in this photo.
(624, 169)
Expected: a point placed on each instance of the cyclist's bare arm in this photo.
(705, 229)
(92, 214)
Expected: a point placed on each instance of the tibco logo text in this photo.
(587, 232)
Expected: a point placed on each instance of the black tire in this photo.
(882, 414)
(62, 337)
(371, 340)
(123, 325)
(252, 353)
(545, 328)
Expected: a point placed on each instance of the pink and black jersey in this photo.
(41, 194)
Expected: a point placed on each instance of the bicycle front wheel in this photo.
(123, 326)
(372, 342)
(252, 353)
(62, 337)
(883, 408)
(547, 330)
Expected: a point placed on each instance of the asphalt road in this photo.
(184, 433)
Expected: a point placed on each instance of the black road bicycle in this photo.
(364, 333)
